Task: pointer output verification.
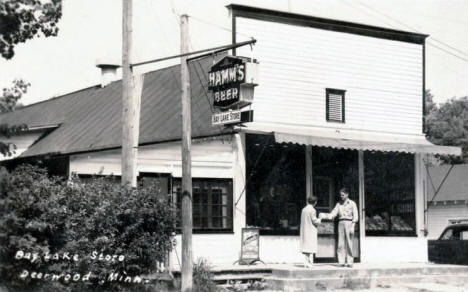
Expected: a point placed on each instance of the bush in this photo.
(203, 277)
(113, 230)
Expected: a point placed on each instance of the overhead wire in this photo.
(365, 12)
(171, 68)
(205, 93)
(441, 64)
(412, 28)
(174, 9)
(219, 26)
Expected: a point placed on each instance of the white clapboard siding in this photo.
(210, 159)
(383, 78)
(217, 157)
(438, 217)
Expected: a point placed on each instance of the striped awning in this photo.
(355, 144)
(353, 139)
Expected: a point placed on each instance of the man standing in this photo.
(347, 213)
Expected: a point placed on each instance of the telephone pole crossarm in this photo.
(214, 50)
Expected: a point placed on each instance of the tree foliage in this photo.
(447, 124)
(44, 215)
(21, 20)
(10, 96)
(8, 102)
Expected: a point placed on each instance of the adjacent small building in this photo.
(338, 104)
(447, 197)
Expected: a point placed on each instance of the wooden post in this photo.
(130, 102)
(362, 202)
(186, 162)
(309, 176)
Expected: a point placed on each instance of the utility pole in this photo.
(130, 101)
(187, 268)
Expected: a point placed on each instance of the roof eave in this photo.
(326, 23)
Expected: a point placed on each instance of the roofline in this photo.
(52, 98)
(325, 23)
(42, 127)
(96, 86)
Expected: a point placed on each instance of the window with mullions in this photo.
(390, 194)
(211, 204)
(276, 187)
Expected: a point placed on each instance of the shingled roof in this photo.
(90, 119)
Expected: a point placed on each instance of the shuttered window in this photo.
(335, 105)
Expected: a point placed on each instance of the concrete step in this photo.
(354, 283)
(236, 277)
(359, 272)
(435, 287)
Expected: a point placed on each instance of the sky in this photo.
(91, 30)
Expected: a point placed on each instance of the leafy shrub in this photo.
(131, 228)
(203, 277)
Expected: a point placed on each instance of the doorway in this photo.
(333, 169)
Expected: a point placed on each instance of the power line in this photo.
(211, 23)
(461, 58)
(393, 26)
(167, 41)
(412, 28)
(219, 26)
(174, 10)
(365, 12)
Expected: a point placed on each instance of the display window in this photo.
(389, 194)
(276, 187)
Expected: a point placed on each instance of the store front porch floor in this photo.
(332, 277)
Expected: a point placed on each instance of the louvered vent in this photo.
(335, 105)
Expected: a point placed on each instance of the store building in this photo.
(338, 104)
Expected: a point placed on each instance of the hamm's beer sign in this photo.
(232, 81)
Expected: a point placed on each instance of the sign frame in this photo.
(231, 81)
(250, 239)
(232, 117)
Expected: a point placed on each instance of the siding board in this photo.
(297, 63)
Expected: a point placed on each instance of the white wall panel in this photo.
(439, 216)
(210, 159)
(215, 158)
(22, 143)
(217, 249)
(382, 78)
(393, 249)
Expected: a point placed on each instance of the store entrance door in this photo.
(333, 169)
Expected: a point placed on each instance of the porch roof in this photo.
(351, 139)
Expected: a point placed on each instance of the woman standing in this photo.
(309, 222)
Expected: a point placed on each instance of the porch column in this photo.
(309, 178)
(362, 204)
(239, 187)
(420, 190)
